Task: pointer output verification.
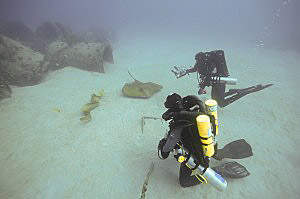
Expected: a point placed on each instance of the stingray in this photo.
(138, 89)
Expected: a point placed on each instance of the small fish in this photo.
(57, 110)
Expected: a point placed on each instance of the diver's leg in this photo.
(233, 98)
(248, 90)
(256, 88)
(242, 92)
(231, 92)
(238, 90)
(218, 93)
(185, 178)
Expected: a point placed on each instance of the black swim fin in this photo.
(231, 170)
(256, 88)
(246, 91)
(236, 94)
(237, 149)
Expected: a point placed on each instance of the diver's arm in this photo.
(191, 70)
(186, 115)
(168, 114)
(180, 115)
(180, 72)
(204, 81)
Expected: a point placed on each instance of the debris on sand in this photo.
(87, 108)
(146, 182)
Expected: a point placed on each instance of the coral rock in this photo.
(20, 65)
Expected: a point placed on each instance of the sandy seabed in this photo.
(49, 154)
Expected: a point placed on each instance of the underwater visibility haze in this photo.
(149, 99)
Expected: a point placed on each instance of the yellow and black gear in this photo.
(206, 135)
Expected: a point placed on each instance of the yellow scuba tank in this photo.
(211, 107)
(206, 136)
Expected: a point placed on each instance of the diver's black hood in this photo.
(192, 100)
(173, 101)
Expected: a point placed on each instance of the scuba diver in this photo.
(212, 71)
(193, 127)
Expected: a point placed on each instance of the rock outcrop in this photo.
(95, 35)
(86, 56)
(18, 31)
(5, 91)
(20, 65)
(53, 31)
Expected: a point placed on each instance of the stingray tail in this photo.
(131, 76)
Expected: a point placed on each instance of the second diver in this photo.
(212, 71)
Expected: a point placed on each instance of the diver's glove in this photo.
(179, 72)
(169, 114)
(201, 91)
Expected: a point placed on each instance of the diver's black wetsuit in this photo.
(213, 64)
(184, 120)
(184, 134)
